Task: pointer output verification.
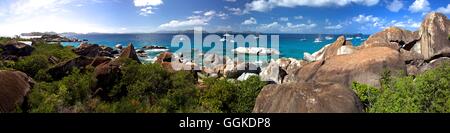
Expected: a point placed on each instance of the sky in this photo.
(268, 16)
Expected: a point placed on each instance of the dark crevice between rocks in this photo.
(437, 57)
(403, 45)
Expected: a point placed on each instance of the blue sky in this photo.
(275, 16)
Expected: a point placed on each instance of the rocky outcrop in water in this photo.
(14, 86)
(93, 50)
(57, 38)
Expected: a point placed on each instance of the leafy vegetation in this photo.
(38, 62)
(144, 88)
(428, 92)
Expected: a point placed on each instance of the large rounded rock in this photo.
(307, 98)
(392, 37)
(89, 50)
(14, 49)
(364, 66)
(14, 86)
(63, 69)
(339, 47)
(434, 33)
(164, 57)
(235, 70)
(274, 72)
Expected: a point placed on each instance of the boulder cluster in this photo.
(323, 84)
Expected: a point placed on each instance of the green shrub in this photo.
(56, 50)
(228, 97)
(247, 93)
(32, 64)
(72, 91)
(427, 92)
(142, 80)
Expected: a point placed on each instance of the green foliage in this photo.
(142, 88)
(428, 92)
(37, 63)
(32, 64)
(56, 50)
(220, 95)
(247, 93)
(229, 97)
(63, 95)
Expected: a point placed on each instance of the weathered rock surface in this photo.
(434, 33)
(63, 69)
(14, 86)
(364, 66)
(129, 52)
(274, 72)
(392, 37)
(304, 97)
(339, 47)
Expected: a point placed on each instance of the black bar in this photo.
(278, 122)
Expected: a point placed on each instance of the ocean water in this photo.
(290, 45)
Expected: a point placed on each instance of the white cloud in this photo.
(300, 26)
(230, 0)
(197, 12)
(184, 24)
(210, 13)
(250, 21)
(419, 6)
(259, 5)
(269, 26)
(144, 3)
(222, 15)
(266, 5)
(284, 19)
(395, 6)
(410, 24)
(364, 19)
(191, 21)
(147, 6)
(334, 27)
(444, 10)
(298, 17)
(235, 11)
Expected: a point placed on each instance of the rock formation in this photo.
(14, 86)
(434, 33)
(324, 84)
(129, 52)
(14, 49)
(304, 97)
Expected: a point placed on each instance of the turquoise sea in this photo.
(290, 45)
